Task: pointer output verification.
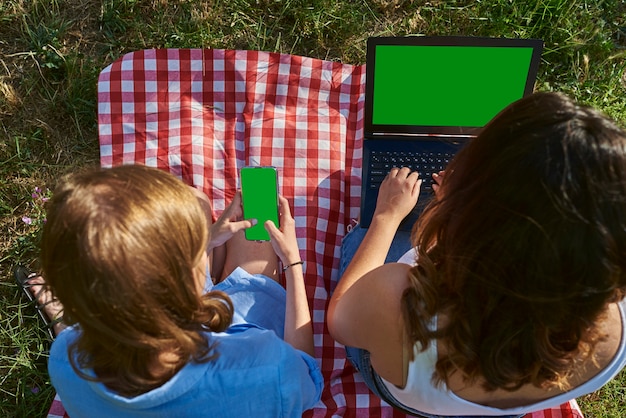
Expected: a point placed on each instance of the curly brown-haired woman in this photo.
(514, 299)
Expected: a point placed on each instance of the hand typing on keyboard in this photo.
(398, 194)
(426, 164)
(437, 179)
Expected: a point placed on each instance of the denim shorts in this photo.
(350, 243)
(360, 358)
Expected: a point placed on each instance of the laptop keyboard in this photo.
(425, 163)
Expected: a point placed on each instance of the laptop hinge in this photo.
(419, 135)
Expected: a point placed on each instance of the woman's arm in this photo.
(396, 198)
(298, 327)
(370, 317)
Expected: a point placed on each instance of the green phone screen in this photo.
(259, 194)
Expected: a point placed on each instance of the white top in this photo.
(420, 393)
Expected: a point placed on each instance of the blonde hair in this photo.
(119, 250)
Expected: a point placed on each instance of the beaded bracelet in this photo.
(293, 264)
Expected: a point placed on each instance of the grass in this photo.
(51, 52)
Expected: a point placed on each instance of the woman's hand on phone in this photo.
(284, 240)
(229, 224)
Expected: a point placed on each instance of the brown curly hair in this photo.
(119, 250)
(525, 247)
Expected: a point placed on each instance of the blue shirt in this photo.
(256, 374)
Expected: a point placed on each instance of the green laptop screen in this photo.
(446, 85)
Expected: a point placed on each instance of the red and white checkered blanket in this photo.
(204, 114)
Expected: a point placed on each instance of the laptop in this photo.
(425, 97)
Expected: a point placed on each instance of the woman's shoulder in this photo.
(377, 291)
(370, 315)
(391, 279)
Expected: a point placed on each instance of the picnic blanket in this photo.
(202, 114)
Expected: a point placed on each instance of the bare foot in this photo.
(46, 302)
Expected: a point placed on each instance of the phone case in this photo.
(259, 195)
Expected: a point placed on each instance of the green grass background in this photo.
(51, 52)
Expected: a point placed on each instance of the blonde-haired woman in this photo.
(128, 251)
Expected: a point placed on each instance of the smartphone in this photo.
(259, 198)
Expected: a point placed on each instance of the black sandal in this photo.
(22, 276)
